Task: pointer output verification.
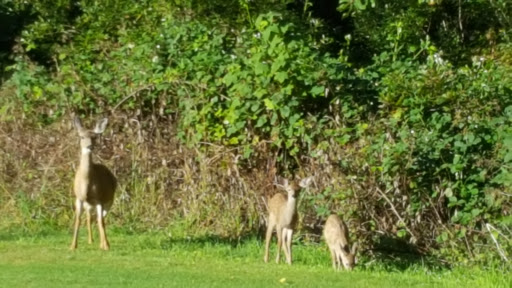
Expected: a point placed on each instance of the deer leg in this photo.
(268, 237)
(288, 233)
(339, 257)
(279, 232)
(283, 244)
(78, 213)
(333, 258)
(101, 227)
(89, 230)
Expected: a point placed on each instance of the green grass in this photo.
(156, 260)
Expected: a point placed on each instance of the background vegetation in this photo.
(400, 109)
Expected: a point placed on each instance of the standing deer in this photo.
(336, 236)
(283, 217)
(94, 184)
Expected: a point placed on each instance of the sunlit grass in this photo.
(157, 260)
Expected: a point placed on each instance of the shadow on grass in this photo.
(16, 233)
(392, 254)
(207, 241)
(388, 255)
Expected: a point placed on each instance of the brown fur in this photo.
(336, 237)
(283, 218)
(94, 185)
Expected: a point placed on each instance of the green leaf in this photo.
(231, 130)
(317, 90)
(261, 121)
(230, 79)
(255, 106)
(261, 68)
(262, 24)
(281, 77)
(508, 156)
(456, 159)
(360, 5)
(470, 138)
(285, 111)
(294, 118)
(260, 93)
(269, 104)
(448, 192)
(273, 121)
(247, 151)
(278, 63)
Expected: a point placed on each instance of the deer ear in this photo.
(100, 126)
(345, 250)
(354, 249)
(77, 123)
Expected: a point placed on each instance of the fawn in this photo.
(336, 236)
(94, 184)
(283, 217)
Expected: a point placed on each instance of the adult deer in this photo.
(94, 184)
(283, 218)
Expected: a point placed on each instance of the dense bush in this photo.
(406, 125)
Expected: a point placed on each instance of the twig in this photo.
(460, 21)
(395, 211)
(500, 250)
(468, 247)
(440, 220)
(148, 87)
(506, 194)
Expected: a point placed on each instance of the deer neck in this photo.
(85, 162)
(83, 175)
(290, 205)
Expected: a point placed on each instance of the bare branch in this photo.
(148, 87)
(396, 212)
(500, 250)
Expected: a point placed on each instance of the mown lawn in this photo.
(155, 260)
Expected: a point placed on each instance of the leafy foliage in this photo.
(405, 122)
